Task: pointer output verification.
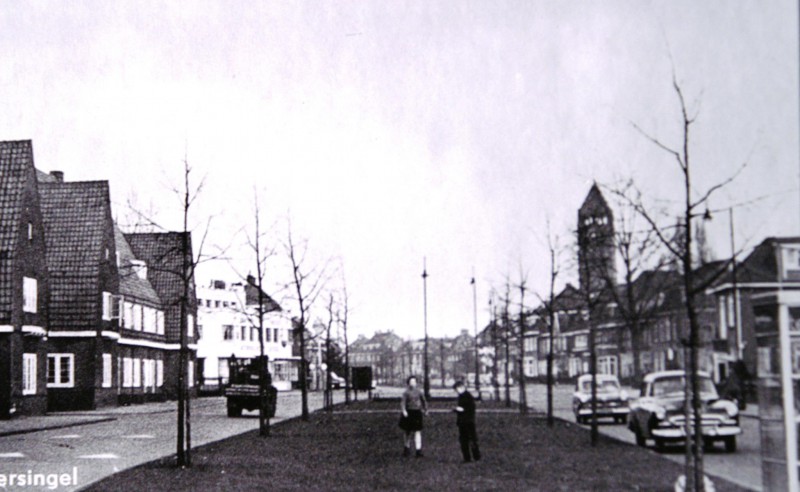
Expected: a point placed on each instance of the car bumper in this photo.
(708, 431)
(607, 412)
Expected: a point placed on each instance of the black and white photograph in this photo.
(399, 245)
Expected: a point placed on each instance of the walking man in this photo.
(465, 419)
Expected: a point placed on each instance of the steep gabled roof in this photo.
(162, 253)
(75, 219)
(761, 265)
(252, 298)
(16, 159)
(130, 284)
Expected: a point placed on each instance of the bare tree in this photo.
(307, 284)
(506, 338)
(682, 250)
(179, 261)
(342, 316)
(551, 312)
(256, 242)
(495, 350)
(646, 275)
(328, 399)
(523, 399)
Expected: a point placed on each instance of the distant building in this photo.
(381, 352)
(228, 328)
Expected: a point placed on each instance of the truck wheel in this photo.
(234, 410)
(730, 444)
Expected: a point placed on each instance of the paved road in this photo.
(90, 452)
(742, 467)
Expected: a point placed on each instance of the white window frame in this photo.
(159, 373)
(107, 299)
(29, 365)
(148, 367)
(30, 294)
(190, 375)
(54, 364)
(190, 324)
(107, 371)
(127, 315)
(148, 320)
(137, 372)
(160, 322)
(137, 317)
(127, 372)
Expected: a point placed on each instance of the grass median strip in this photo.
(351, 450)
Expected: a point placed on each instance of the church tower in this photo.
(596, 252)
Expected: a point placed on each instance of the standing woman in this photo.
(413, 406)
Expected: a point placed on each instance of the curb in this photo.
(56, 426)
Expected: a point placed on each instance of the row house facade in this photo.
(393, 359)
(83, 325)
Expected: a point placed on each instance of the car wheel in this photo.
(730, 444)
(640, 439)
(659, 445)
(234, 410)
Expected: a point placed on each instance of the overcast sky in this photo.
(393, 131)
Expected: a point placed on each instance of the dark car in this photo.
(612, 400)
(659, 414)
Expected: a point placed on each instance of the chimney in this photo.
(58, 175)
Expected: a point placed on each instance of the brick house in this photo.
(772, 265)
(24, 287)
(142, 347)
(166, 269)
(84, 285)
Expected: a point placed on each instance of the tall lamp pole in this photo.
(475, 322)
(426, 381)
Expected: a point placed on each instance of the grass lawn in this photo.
(359, 448)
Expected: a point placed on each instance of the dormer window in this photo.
(140, 268)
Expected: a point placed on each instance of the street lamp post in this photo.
(426, 381)
(475, 321)
(737, 324)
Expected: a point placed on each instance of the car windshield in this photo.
(674, 386)
(602, 385)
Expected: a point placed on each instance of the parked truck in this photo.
(242, 392)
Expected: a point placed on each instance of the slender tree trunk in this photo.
(346, 366)
(506, 373)
(303, 379)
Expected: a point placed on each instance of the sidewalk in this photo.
(24, 425)
(60, 420)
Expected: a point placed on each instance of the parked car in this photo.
(612, 400)
(337, 381)
(658, 413)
